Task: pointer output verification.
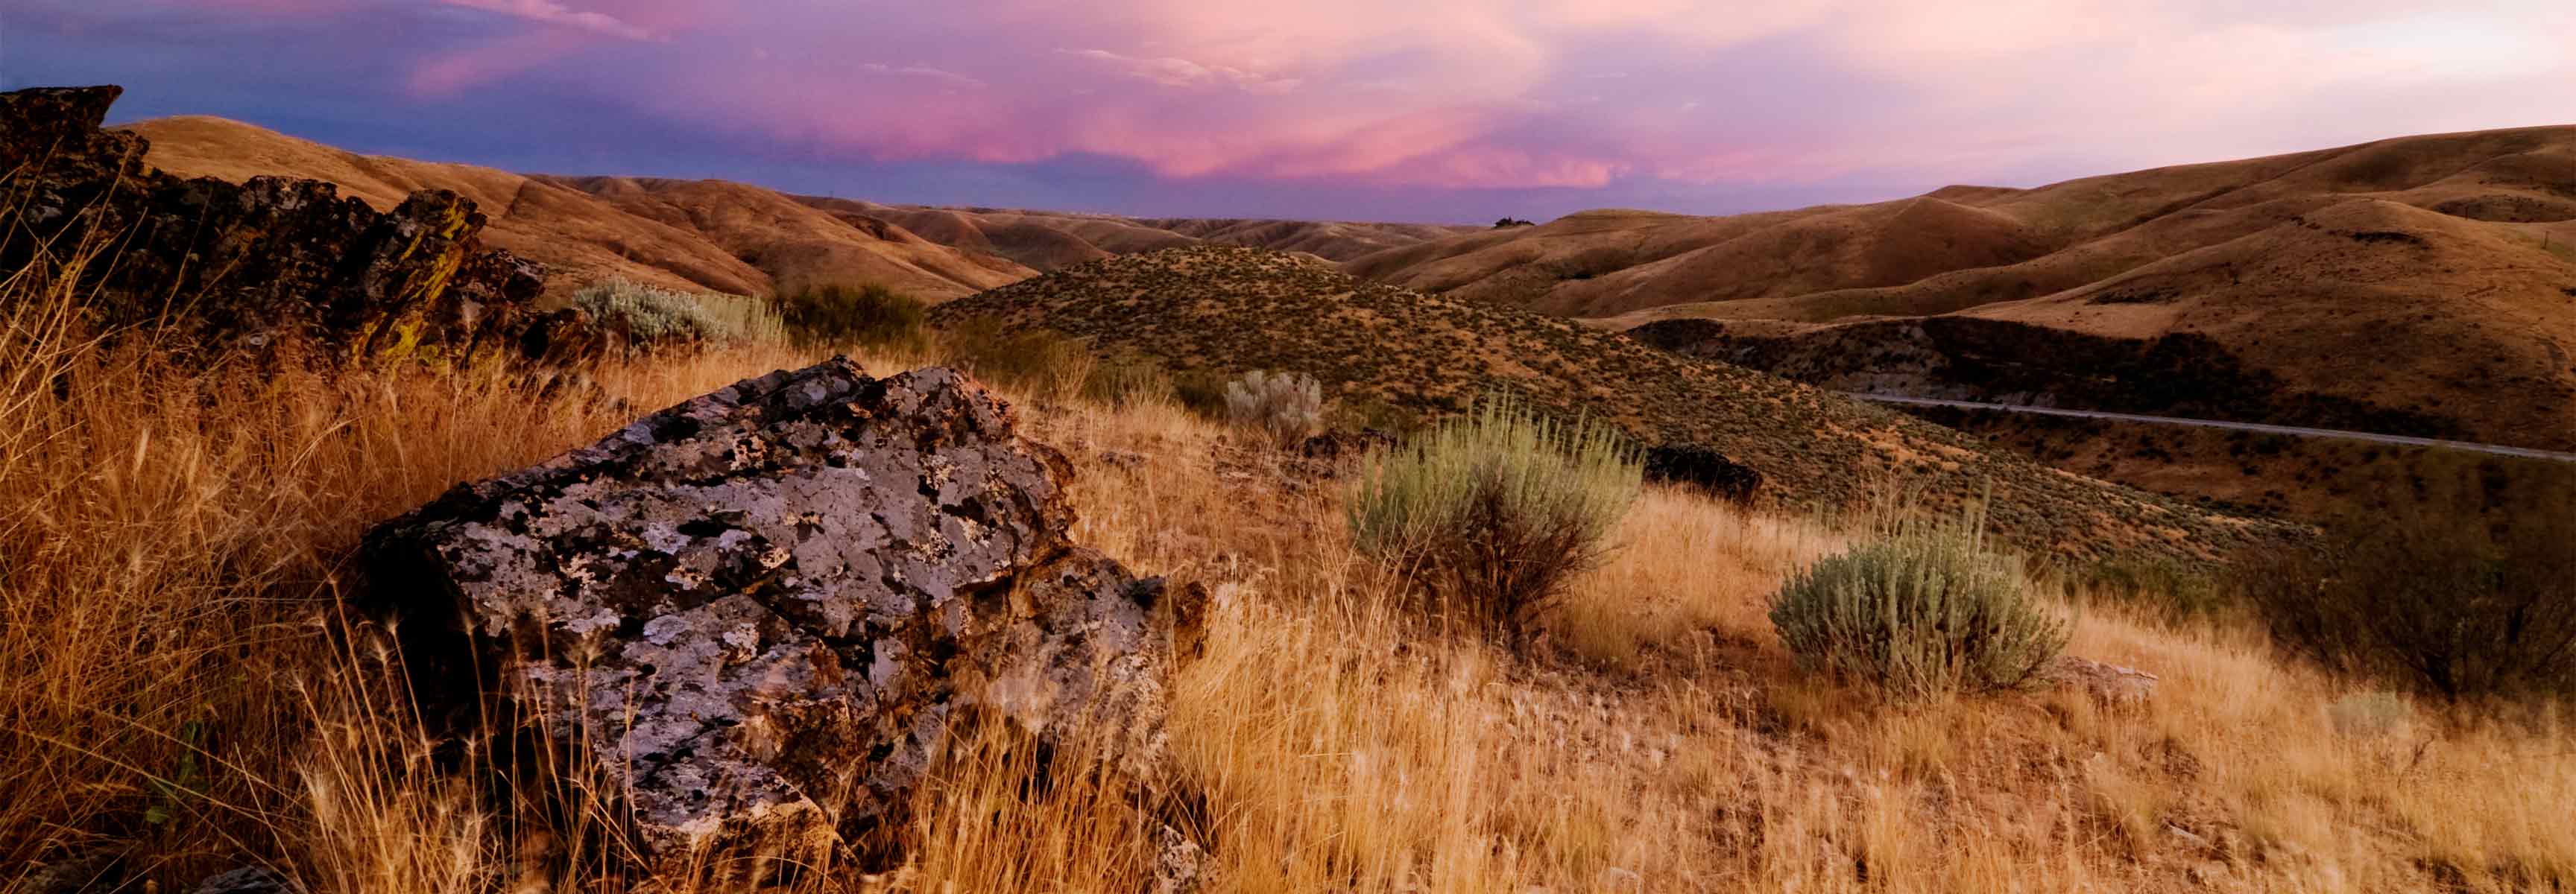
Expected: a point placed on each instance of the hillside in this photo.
(707, 235)
(1232, 309)
(1962, 246)
(1046, 240)
(2366, 314)
(2419, 285)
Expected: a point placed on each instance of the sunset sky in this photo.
(1431, 110)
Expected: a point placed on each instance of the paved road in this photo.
(2498, 449)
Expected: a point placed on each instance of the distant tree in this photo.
(1510, 222)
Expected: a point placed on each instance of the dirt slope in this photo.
(1232, 309)
(710, 235)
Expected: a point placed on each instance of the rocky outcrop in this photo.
(761, 610)
(258, 264)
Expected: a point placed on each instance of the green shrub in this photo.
(869, 315)
(650, 315)
(1287, 406)
(1494, 512)
(2445, 606)
(1034, 361)
(1924, 611)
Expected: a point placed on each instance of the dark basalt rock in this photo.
(259, 264)
(762, 609)
(1700, 467)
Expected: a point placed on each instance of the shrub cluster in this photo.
(1494, 512)
(1924, 611)
(648, 316)
(868, 315)
(2446, 606)
(1288, 406)
(1031, 360)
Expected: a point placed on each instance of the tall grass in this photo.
(174, 545)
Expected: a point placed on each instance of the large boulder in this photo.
(761, 610)
(251, 265)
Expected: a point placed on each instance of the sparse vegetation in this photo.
(648, 316)
(869, 315)
(1125, 380)
(1924, 611)
(1288, 406)
(2442, 605)
(1494, 513)
(1023, 359)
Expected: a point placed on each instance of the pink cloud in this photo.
(1568, 93)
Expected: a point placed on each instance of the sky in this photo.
(1407, 110)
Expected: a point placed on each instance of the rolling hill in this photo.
(705, 235)
(732, 237)
(2421, 285)
(1226, 310)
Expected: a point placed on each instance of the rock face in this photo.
(763, 608)
(254, 264)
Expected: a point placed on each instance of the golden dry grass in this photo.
(173, 547)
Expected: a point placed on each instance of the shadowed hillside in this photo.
(1229, 309)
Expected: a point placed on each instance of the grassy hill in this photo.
(1227, 310)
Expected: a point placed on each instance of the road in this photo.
(2403, 440)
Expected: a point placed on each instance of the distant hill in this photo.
(708, 235)
(2422, 285)
(1227, 310)
(732, 237)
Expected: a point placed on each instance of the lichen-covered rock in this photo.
(254, 264)
(761, 609)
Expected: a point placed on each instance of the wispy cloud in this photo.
(553, 13)
(923, 71)
(1173, 71)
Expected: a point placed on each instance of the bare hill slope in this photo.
(1964, 246)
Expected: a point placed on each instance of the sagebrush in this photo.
(647, 315)
(1288, 406)
(1925, 610)
(1494, 512)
